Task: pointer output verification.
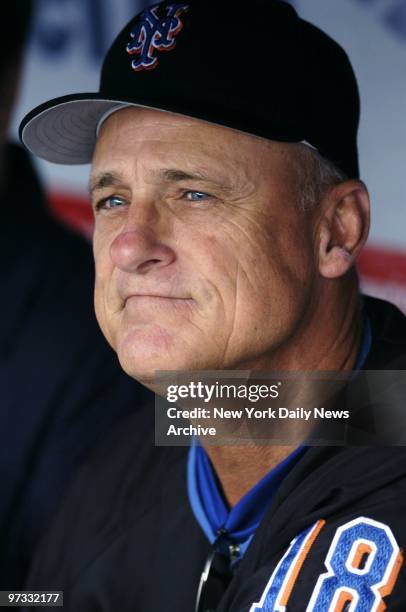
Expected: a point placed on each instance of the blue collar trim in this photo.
(210, 507)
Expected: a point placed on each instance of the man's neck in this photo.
(239, 468)
(332, 345)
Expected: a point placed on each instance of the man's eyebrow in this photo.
(174, 175)
(105, 179)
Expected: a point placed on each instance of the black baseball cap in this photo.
(256, 67)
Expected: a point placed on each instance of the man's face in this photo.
(203, 258)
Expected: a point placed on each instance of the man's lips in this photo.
(155, 295)
(156, 300)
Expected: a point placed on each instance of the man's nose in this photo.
(137, 249)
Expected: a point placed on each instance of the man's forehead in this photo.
(156, 147)
(171, 147)
(139, 117)
(148, 124)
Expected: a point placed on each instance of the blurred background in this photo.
(53, 412)
(70, 38)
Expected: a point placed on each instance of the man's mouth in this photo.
(157, 302)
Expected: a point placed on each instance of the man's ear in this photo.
(343, 227)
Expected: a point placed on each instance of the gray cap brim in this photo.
(66, 131)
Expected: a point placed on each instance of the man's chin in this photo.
(143, 352)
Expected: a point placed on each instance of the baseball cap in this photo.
(256, 67)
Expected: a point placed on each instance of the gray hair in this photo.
(316, 176)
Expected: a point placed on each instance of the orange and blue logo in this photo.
(363, 563)
(154, 33)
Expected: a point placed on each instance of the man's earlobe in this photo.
(344, 228)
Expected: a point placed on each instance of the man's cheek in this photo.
(103, 236)
(96, 241)
(98, 306)
(103, 315)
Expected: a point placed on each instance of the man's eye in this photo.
(196, 196)
(110, 203)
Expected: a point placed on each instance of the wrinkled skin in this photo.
(203, 257)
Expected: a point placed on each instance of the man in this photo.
(54, 404)
(229, 215)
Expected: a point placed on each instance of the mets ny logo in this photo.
(154, 33)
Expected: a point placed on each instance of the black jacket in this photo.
(126, 539)
(61, 387)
